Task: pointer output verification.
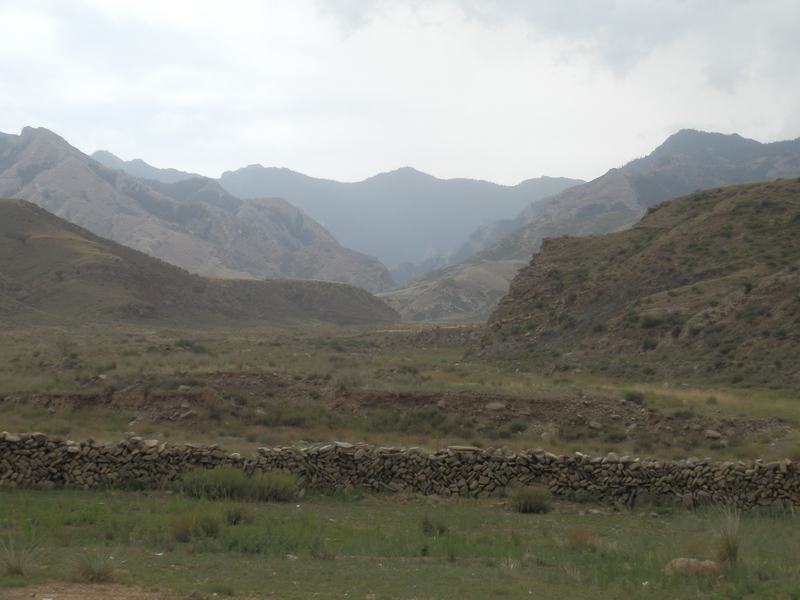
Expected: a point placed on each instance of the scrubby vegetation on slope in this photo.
(704, 286)
(53, 270)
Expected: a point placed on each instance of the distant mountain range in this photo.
(409, 220)
(54, 272)
(687, 161)
(704, 286)
(443, 234)
(194, 224)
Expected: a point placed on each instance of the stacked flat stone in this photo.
(38, 460)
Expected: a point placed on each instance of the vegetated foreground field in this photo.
(398, 386)
(388, 547)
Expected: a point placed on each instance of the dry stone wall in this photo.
(37, 460)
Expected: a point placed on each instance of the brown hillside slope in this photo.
(51, 269)
(706, 285)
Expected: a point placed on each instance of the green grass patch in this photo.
(393, 546)
(234, 484)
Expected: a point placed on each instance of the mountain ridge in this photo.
(386, 215)
(229, 239)
(613, 202)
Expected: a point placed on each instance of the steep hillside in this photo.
(52, 270)
(194, 224)
(706, 286)
(687, 161)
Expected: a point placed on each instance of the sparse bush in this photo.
(711, 400)
(728, 537)
(96, 566)
(432, 527)
(120, 529)
(207, 525)
(615, 437)
(649, 343)
(192, 347)
(320, 550)
(234, 484)
(580, 538)
(348, 379)
(182, 527)
(635, 397)
(517, 426)
(186, 526)
(19, 558)
(236, 514)
(535, 500)
(649, 322)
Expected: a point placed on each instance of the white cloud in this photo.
(494, 89)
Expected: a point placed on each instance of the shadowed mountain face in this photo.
(401, 217)
(194, 223)
(140, 169)
(687, 161)
(54, 272)
(706, 285)
(411, 221)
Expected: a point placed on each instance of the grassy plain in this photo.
(305, 371)
(385, 547)
(364, 546)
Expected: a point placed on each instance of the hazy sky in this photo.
(502, 90)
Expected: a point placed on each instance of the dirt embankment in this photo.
(206, 395)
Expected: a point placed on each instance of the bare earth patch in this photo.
(80, 591)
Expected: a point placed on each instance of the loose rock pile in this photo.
(37, 460)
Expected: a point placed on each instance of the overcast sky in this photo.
(502, 90)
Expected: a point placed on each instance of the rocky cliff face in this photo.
(206, 230)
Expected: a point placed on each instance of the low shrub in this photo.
(188, 525)
(236, 514)
(535, 500)
(320, 550)
(96, 566)
(517, 426)
(580, 538)
(207, 525)
(649, 343)
(728, 537)
(433, 527)
(234, 484)
(19, 558)
(635, 397)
